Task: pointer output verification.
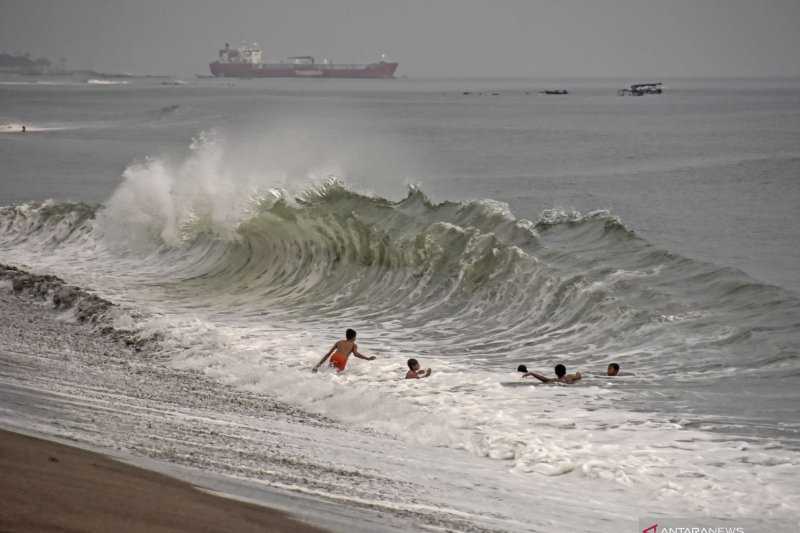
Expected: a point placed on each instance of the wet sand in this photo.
(47, 486)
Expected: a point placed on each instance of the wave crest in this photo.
(467, 277)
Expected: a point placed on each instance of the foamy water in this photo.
(95, 81)
(16, 127)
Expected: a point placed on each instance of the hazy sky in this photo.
(443, 38)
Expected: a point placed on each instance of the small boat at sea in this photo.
(640, 89)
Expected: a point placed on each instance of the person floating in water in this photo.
(613, 369)
(340, 352)
(415, 372)
(561, 375)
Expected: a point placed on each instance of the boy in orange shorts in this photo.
(341, 351)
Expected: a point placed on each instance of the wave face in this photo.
(243, 280)
(464, 279)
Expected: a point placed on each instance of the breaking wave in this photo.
(465, 278)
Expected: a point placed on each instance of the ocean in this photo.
(472, 224)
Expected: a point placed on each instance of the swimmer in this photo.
(561, 375)
(613, 369)
(24, 129)
(415, 372)
(340, 352)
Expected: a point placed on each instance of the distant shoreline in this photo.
(83, 73)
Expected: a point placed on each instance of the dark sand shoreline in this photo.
(48, 486)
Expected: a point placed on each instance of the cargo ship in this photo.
(246, 62)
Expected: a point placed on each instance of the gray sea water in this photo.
(475, 224)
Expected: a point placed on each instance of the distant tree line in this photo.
(24, 63)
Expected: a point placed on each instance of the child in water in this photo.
(340, 352)
(561, 375)
(415, 372)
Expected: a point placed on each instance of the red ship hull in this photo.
(280, 70)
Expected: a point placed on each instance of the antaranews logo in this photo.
(663, 524)
(654, 529)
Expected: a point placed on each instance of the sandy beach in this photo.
(47, 486)
(68, 375)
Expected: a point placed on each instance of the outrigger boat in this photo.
(640, 89)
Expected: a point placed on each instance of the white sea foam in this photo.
(16, 127)
(95, 81)
(40, 82)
